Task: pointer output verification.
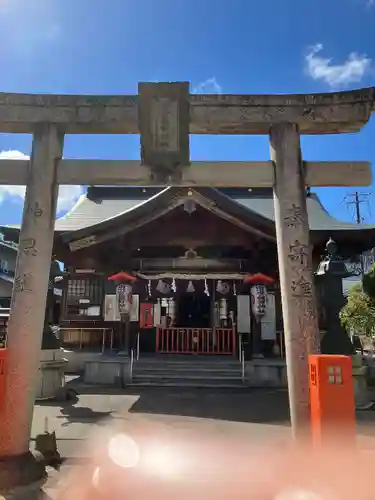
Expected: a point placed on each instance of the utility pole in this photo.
(357, 199)
(357, 210)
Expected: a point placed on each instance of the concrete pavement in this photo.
(253, 413)
(250, 412)
(253, 416)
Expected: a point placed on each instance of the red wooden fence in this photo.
(196, 340)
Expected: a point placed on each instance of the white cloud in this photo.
(336, 75)
(209, 86)
(68, 195)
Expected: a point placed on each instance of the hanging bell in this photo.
(190, 287)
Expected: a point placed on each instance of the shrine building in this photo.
(202, 264)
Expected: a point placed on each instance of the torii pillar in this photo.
(25, 328)
(301, 327)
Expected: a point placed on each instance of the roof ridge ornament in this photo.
(191, 254)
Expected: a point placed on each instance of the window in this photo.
(83, 298)
(3, 265)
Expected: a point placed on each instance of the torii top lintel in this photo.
(327, 113)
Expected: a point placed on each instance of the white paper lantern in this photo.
(258, 300)
(172, 310)
(124, 298)
(223, 309)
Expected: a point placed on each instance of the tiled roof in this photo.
(89, 211)
(319, 219)
(101, 204)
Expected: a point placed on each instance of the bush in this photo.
(368, 283)
(358, 314)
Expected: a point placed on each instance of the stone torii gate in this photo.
(165, 114)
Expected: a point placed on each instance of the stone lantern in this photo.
(49, 339)
(330, 273)
(51, 368)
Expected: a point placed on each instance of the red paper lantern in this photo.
(122, 276)
(259, 279)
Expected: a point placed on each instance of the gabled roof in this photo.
(146, 210)
(101, 204)
(319, 218)
(103, 207)
(92, 209)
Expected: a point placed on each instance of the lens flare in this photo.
(123, 451)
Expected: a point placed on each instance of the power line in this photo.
(356, 199)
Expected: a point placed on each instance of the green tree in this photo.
(368, 283)
(358, 314)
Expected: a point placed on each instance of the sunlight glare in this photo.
(163, 461)
(123, 451)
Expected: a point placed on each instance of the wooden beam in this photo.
(199, 174)
(209, 114)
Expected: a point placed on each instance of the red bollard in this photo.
(331, 399)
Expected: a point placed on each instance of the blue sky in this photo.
(238, 46)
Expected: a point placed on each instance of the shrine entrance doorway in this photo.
(194, 311)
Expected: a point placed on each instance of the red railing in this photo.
(196, 340)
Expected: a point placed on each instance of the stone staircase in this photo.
(187, 371)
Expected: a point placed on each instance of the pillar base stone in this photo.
(123, 354)
(112, 371)
(361, 392)
(22, 476)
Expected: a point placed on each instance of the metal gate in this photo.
(196, 340)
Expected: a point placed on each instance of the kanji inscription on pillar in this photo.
(28, 246)
(294, 216)
(23, 283)
(34, 209)
(298, 253)
(301, 287)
